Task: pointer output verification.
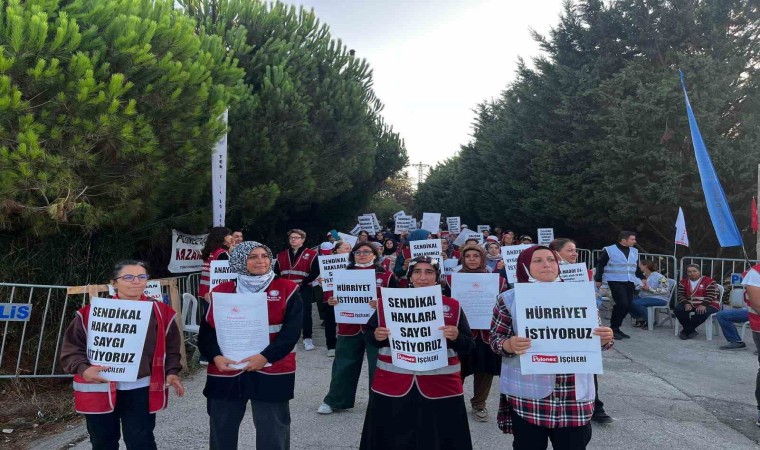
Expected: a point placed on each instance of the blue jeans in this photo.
(639, 306)
(727, 318)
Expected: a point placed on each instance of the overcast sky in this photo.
(433, 61)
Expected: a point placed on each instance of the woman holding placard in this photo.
(410, 409)
(341, 247)
(352, 344)
(568, 254)
(128, 406)
(267, 379)
(539, 408)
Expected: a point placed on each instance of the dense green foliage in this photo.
(594, 138)
(111, 108)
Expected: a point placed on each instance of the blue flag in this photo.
(717, 205)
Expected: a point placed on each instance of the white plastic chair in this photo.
(709, 324)
(190, 316)
(663, 309)
(735, 300)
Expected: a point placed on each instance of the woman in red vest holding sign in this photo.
(268, 379)
(112, 407)
(412, 409)
(697, 300)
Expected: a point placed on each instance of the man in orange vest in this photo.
(300, 265)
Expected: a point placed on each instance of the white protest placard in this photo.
(545, 236)
(399, 214)
(366, 223)
(186, 252)
(509, 254)
(153, 290)
(454, 224)
(403, 224)
(573, 272)
(355, 230)
(482, 228)
(375, 222)
(242, 324)
(559, 318)
(328, 264)
(116, 335)
(415, 317)
(450, 266)
(466, 235)
(427, 247)
(221, 273)
(413, 224)
(431, 222)
(477, 293)
(348, 238)
(354, 289)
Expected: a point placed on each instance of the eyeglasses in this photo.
(362, 253)
(130, 278)
(295, 238)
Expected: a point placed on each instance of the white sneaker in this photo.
(331, 353)
(308, 345)
(324, 408)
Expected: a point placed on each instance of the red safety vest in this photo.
(393, 381)
(205, 282)
(100, 398)
(754, 317)
(382, 280)
(298, 270)
(279, 293)
(701, 289)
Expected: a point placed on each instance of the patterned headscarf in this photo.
(248, 282)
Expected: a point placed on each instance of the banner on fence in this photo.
(186, 252)
(15, 312)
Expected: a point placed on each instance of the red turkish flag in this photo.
(753, 216)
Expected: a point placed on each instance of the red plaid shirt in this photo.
(560, 409)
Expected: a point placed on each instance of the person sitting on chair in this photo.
(697, 300)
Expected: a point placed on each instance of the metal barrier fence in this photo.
(719, 269)
(667, 264)
(585, 256)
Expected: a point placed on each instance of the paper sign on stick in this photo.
(427, 247)
(477, 293)
(545, 236)
(509, 254)
(415, 317)
(221, 273)
(573, 272)
(116, 335)
(559, 318)
(431, 222)
(242, 324)
(454, 224)
(354, 289)
(328, 264)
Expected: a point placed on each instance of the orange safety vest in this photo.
(278, 293)
(393, 381)
(205, 282)
(298, 270)
(382, 280)
(100, 398)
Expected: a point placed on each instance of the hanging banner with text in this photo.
(559, 318)
(431, 222)
(545, 236)
(415, 317)
(454, 224)
(242, 324)
(186, 252)
(509, 254)
(221, 273)
(354, 289)
(427, 247)
(116, 335)
(477, 293)
(573, 272)
(328, 264)
(219, 178)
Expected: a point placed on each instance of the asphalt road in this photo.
(662, 392)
